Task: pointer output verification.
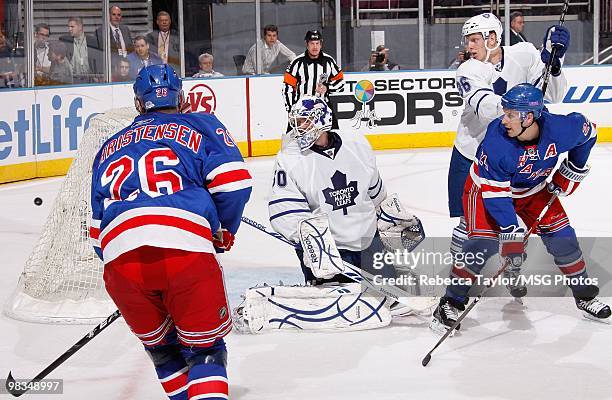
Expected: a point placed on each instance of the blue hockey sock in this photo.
(207, 372)
(173, 376)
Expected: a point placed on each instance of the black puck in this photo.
(38, 201)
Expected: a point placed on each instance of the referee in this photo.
(312, 73)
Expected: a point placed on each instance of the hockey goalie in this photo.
(328, 197)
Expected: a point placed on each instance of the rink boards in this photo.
(40, 129)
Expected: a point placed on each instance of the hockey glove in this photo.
(567, 178)
(320, 252)
(558, 37)
(223, 240)
(398, 228)
(512, 246)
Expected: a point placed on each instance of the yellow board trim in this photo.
(244, 148)
(604, 134)
(411, 140)
(265, 147)
(34, 169)
(41, 169)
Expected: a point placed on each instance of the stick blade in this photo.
(10, 386)
(426, 360)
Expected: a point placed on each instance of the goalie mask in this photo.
(309, 118)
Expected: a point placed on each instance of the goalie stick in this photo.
(505, 264)
(553, 52)
(10, 381)
(350, 271)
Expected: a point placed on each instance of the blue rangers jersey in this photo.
(506, 168)
(167, 180)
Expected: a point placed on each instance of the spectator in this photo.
(120, 36)
(141, 57)
(274, 55)
(7, 67)
(11, 64)
(461, 57)
(121, 70)
(379, 61)
(41, 51)
(6, 49)
(206, 67)
(165, 41)
(517, 24)
(82, 52)
(312, 73)
(60, 70)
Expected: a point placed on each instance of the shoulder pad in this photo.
(521, 47)
(473, 68)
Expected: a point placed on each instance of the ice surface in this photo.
(543, 350)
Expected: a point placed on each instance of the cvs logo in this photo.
(202, 98)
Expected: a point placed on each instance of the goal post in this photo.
(62, 279)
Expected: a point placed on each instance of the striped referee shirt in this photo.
(304, 73)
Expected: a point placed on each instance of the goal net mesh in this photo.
(62, 279)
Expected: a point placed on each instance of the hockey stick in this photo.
(11, 384)
(553, 52)
(352, 272)
(450, 330)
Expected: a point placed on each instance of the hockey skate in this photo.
(516, 284)
(445, 315)
(594, 309)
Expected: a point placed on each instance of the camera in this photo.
(380, 58)
(466, 55)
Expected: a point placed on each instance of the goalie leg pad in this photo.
(311, 308)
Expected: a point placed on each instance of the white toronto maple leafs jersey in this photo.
(482, 84)
(341, 181)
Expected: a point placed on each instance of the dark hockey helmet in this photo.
(524, 98)
(158, 86)
(313, 35)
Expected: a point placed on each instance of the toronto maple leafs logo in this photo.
(342, 195)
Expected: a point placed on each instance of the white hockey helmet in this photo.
(483, 24)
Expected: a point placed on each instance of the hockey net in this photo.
(62, 279)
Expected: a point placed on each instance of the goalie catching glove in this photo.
(398, 228)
